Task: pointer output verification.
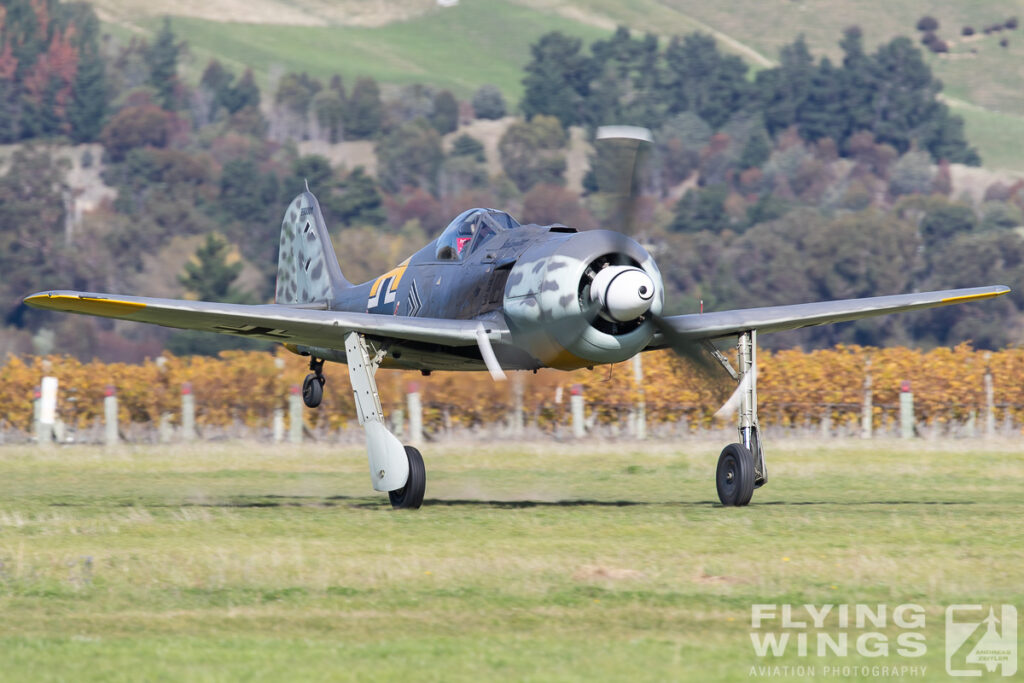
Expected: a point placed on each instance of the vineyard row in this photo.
(795, 388)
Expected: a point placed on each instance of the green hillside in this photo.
(458, 48)
(487, 41)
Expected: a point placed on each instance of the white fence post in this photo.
(517, 404)
(906, 411)
(640, 428)
(47, 410)
(576, 404)
(188, 412)
(868, 407)
(278, 425)
(990, 403)
(415, 414)
(295, 415)
(110, 415)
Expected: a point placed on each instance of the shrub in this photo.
(488, 103)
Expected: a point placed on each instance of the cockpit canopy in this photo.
(469, 230)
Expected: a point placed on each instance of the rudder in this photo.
(307, 267)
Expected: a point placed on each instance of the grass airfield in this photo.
(536, 561)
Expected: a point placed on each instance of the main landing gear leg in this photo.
(741, 466)
(394, 468)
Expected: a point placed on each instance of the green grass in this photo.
(459, 48)
(537, 562)
(999, 137)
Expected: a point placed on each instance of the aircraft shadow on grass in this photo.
(284, 501)
(281, 501)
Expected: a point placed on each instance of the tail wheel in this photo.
(410, 496)
(313, 390)
(735, 475)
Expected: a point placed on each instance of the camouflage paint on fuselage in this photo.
(468, 288)
(424, 285)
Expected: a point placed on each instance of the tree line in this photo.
(806, 181)
(890, 92)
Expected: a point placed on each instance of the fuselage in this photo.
(532, 278)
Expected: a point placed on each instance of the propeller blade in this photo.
(619, 159)
(691, 350)
(698, 357)
(487, 352)
(625, 132)
(730, 407)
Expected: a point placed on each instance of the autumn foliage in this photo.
(794, 388)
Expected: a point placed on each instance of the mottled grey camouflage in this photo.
(307, 269)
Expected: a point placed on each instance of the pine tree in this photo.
(241, 198)
(162, 59)
(329, 110)
(243, 94)
(557, 80)
(364, 111)
(359, 202)
(700, 79)
(823, 114)
(858, 82)
(783, 91)
(757, 149)
(209, 277)
(89, 92)
(445, 118)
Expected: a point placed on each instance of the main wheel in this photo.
(410, 496)
(312, 390)
(735, 475)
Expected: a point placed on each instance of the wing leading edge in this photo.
(272, 322)
(698, 326)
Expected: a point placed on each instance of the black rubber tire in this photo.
(312, 390)
(735, 475)
(410, 496)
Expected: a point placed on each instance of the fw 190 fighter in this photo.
(492, 294)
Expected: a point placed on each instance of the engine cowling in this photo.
(584, 299)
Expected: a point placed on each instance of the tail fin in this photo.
(307, 267)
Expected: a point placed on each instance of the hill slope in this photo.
(475, 42)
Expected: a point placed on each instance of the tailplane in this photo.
(307, 267)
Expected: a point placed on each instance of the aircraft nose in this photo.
(625, 292)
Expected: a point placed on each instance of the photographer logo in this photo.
(980, 640)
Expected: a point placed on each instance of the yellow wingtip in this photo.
(84, 304)
(976, 297)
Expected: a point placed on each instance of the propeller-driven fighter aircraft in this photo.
(491, 294)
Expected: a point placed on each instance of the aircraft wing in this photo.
(698, 326)
(304, 326)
